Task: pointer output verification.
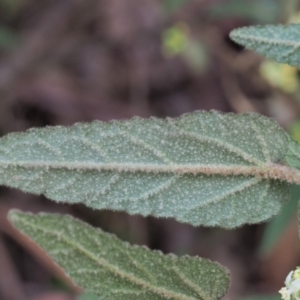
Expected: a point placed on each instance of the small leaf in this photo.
(204, 168)
(278, 42)
(114, 270)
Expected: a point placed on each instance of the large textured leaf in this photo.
(281, 43)
(202, 168)
(114, 270)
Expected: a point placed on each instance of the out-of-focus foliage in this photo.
(281, 76)
(8, 39)
(177, 40)
(295, 130)
(173, 5)
(276, 227)
(196, 56)
(10, 7)
(295, 17)
(262, 11)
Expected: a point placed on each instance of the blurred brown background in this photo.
(67, 61)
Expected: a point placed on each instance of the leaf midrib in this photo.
(115, 270)
(267, 170)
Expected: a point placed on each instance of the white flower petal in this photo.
(288, 278)
(295, 285)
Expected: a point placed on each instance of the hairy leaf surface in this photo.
(293, 155)
(203, 168)
(112, 269)
(278, 42)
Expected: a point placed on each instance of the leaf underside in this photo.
(112, 269)
(293, 155)
(278, 42)
(139, 166)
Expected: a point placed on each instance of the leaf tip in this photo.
(236, 35)
(14, 215)
(17, 218)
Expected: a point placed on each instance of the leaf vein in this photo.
(237, 189)
(228, 147)
(261, 142)
(114, 269)
(191, 284)
(158, 189)
(158, 153)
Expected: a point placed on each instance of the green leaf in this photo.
(203, 168)
(293, 155)
(112, 269)
(278, 42)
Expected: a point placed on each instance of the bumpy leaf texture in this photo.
(293, 155)
(114, 270)
(278, 42)
(181, 168)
